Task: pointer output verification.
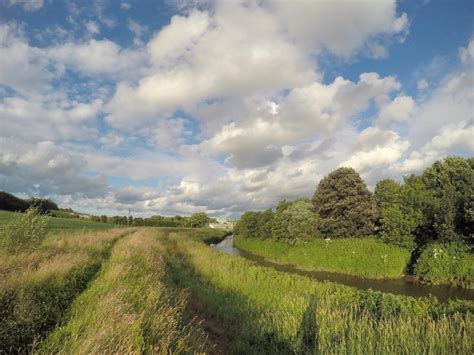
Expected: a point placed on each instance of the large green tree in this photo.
(452, 182)
(345, 204)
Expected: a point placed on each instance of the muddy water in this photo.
(404, 286)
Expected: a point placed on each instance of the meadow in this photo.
(366, 257)
(164, 290)
(62, 224)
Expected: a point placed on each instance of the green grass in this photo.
(366, 257)
(37, 287)
(272, 312)
(62, 224)
(128, 309)
(447, 263)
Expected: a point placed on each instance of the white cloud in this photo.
(28, 5)
(314, 111)
(422, 84)
(397, 110)
(92, 28)
(377, 149)
(341, 27)
(46, 169)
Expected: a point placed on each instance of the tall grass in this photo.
(128, 309)
(365, 257)
(37, 287)
(274, 312)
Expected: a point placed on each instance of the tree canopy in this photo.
(344, 204)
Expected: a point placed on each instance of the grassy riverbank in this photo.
(37, 287)
(365, 257)
(447, 263)
(272, 312)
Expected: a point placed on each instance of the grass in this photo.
(128, 309)
(272, 312)
(37, 287)
(366, 257)
(58, 224)
(447, 263)
(165, 291)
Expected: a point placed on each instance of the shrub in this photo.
(25, 231)
(447, 263)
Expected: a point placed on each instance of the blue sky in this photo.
(173, 107)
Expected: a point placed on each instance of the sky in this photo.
(174, 107)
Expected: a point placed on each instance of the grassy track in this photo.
(128, 309)
(366, 257)
(273, 312)
(57, 224)
(37, 288)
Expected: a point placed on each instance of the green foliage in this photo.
(345, 205)
(366, 257)
(24, 232)
(271, 312)
(447, 263)
(43, 205)
(296, 223)
(199, 220)
(255, 224)
(452, 181)
(399, 223)
(386, 193)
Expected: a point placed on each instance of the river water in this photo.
(403, 286)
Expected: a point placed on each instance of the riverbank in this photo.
(267, 311)
(365, 257)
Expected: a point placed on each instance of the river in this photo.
(403, 286)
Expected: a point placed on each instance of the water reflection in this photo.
(404, 286)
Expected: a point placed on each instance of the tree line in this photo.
(9, 202)
(437, 205)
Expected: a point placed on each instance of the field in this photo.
(62, 224)
(364, 257)
(152, 290)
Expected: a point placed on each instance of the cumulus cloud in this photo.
(45, 169)
(397, 110)
(313, 111)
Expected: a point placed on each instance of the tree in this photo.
(103, 219)
(199, 220)
(247, 225)
(9, 202)
(386, 193)
(345, 204)
(280, 221)
(452, 182)
(303, 222)
(43, 205)
(399, 224)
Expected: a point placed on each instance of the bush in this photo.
(25, 231)
(447, 263)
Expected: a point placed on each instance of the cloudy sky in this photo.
(180, 106)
